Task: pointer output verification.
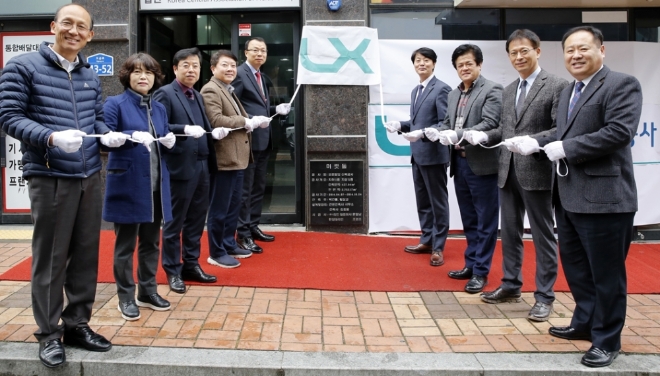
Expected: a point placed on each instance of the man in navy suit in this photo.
(188, 163)
(594, 191)
(429, 160)
(250, 88)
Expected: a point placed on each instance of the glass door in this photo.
(167, 33)
(282, 201)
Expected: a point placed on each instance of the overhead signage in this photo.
(216, 4)
(102, 64)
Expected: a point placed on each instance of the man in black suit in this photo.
(188, 163)
(429, 159)
(250, 88)
(594, 191)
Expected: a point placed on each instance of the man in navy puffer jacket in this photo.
(50, 100)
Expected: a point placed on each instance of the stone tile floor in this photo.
(313, 320)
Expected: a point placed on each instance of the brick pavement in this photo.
(340, 321)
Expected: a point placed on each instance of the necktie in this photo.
(521, 97)
(261, 87)
(576, 96)
(420, 89)
(189, 94)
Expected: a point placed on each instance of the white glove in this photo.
(283, 109)
(512, 143)
(448, 137)
(194, 130)
(114, 139)
(393, 126)
(432, 134)
(251, 124)
(69, 141)
(263, 122)
(414, 135)
(475, 137)
(145, 138)
(220, 133)
(528, 145)
(555, 150)
(168, 141)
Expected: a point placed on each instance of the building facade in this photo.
(327, 123)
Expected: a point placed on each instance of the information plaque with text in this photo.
(336, 190)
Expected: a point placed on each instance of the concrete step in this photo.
(21, 359)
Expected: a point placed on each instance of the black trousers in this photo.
(593, 250)
(65, 251)
(181, 235)
(254, 188)
(147, 236)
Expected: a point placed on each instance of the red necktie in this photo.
(261, 88)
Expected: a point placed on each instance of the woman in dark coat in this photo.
(137, 196)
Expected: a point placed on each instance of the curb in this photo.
(21, 359)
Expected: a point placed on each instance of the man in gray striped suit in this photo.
(529, 108)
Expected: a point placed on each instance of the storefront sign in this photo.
(336, 190)
(244, 30)
(102, 64)
(215, 4)
(14, 187)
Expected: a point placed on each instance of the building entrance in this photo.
(164, 34)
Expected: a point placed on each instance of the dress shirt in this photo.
(66, 64)
(585, 82)
(530, 82)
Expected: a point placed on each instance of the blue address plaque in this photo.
(102, 64)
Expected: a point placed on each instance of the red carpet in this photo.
(369, 263)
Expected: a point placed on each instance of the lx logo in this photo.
(345, 57)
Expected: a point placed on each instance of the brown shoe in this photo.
(419, 248)
(437, 258)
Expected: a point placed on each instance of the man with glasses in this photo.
(250, 88)
(189, 163)
(529, 108)
(50, 100)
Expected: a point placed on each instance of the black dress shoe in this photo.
(197, 275)
(596, 357)
(476, 284)
(417, 249)
(568, 332)
(249, 244)
(257, 234)
(51, 353)
(176, 283)
(153, 301)
(501, 295)
(86, 338)
(465, 273)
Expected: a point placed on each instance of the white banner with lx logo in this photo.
(343, 55)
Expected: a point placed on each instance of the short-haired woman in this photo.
(137, 196)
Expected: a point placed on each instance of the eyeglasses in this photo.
(523, 52)
(256, 51)
(67, 25)
(187, 66)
